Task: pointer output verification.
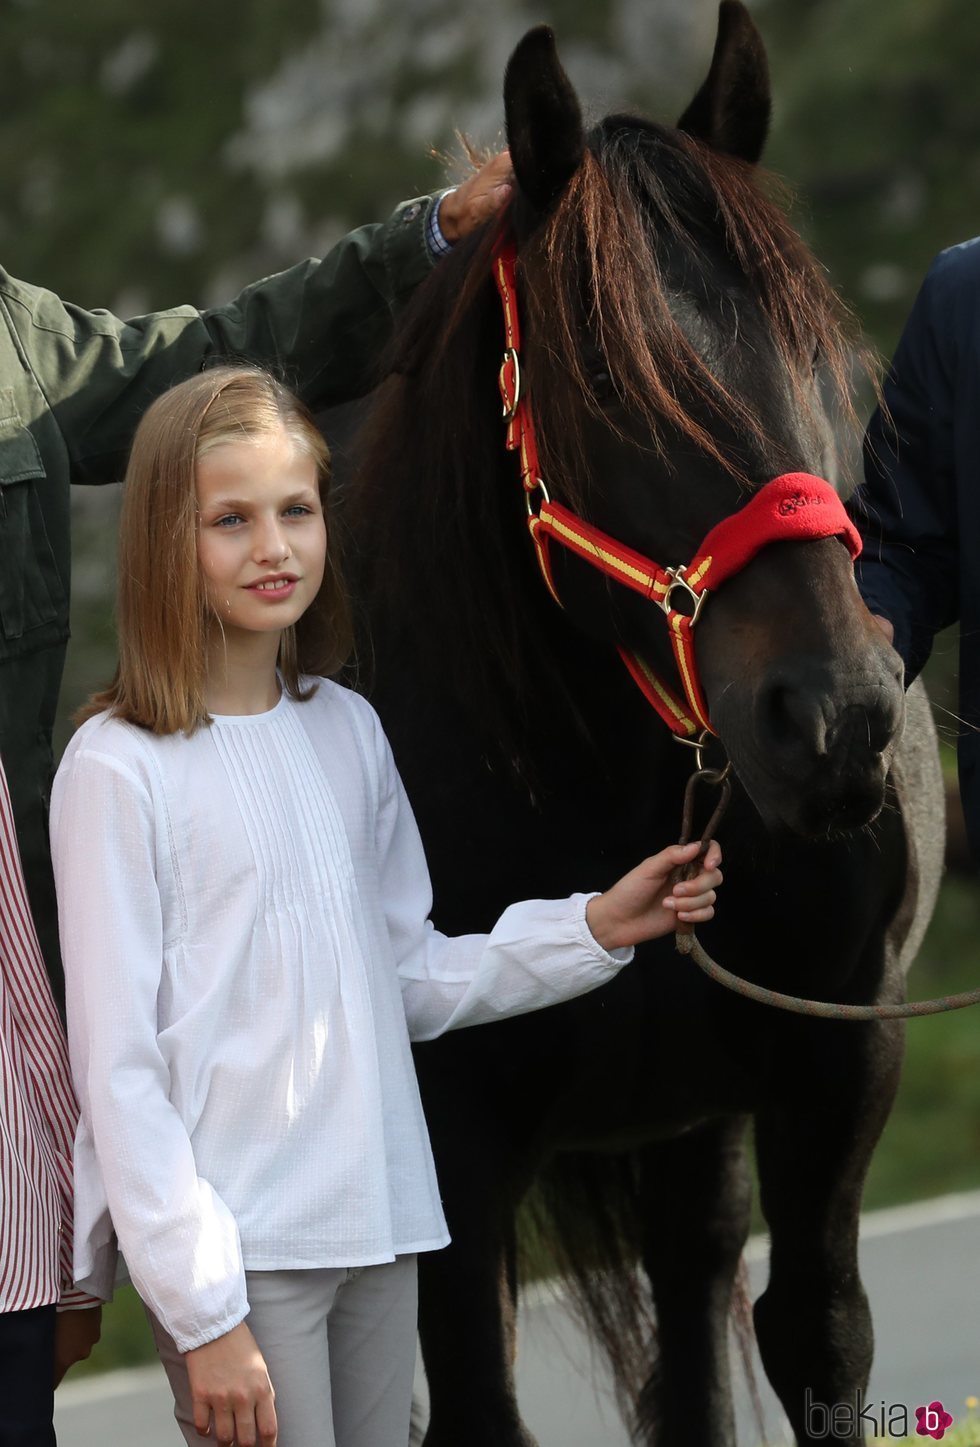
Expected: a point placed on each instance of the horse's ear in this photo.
(731, 110)
(544, 122)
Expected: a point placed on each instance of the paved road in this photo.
(921, 1267)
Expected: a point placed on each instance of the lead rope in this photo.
(687, 942)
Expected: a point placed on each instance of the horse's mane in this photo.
(436, 512)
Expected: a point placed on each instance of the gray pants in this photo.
(340, 1348)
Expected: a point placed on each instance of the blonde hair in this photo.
(164, 617)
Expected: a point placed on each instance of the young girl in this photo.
(244, 899)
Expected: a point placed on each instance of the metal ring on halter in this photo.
(538, 487)
(510, 355)
(678, 580)
(698, 745)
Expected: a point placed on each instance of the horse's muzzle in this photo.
(815, 757)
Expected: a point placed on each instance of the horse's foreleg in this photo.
(696, 1198)
(814, 1147)
(467, 1309)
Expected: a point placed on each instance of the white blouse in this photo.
(247, 953)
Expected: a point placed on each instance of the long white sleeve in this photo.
(179, 1238)
(539, 952)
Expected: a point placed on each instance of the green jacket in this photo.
(73, 386)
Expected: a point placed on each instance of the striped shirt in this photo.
(38, 1113)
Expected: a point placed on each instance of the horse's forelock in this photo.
(594, 260)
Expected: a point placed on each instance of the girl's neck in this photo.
(242, 676)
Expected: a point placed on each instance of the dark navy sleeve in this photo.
(906, 510)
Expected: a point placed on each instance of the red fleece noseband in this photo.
(795, 507)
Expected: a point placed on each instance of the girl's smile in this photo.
(276, 588)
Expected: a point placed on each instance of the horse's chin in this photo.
(823, 806)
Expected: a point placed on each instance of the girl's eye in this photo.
(298, 509)
(229, 520)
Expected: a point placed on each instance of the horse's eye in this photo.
(602, 386)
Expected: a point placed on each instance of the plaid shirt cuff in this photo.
(434, 239)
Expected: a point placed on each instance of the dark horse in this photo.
(675, 331)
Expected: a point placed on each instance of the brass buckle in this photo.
(678, 580)
(510, 355)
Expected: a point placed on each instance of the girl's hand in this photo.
(228, 1378)
(641, 906)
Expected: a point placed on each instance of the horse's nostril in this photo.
(792, 718)
(871, 725)
(777, 714)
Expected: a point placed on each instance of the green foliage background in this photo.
(158, 154)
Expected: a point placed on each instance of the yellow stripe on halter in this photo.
(586, 543)
(700, 572)
(665, 696)
(525, 462)
(505, 294)
(681, 647)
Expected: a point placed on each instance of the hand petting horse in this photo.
(676, 344)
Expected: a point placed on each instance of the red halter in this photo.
(795, 506)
